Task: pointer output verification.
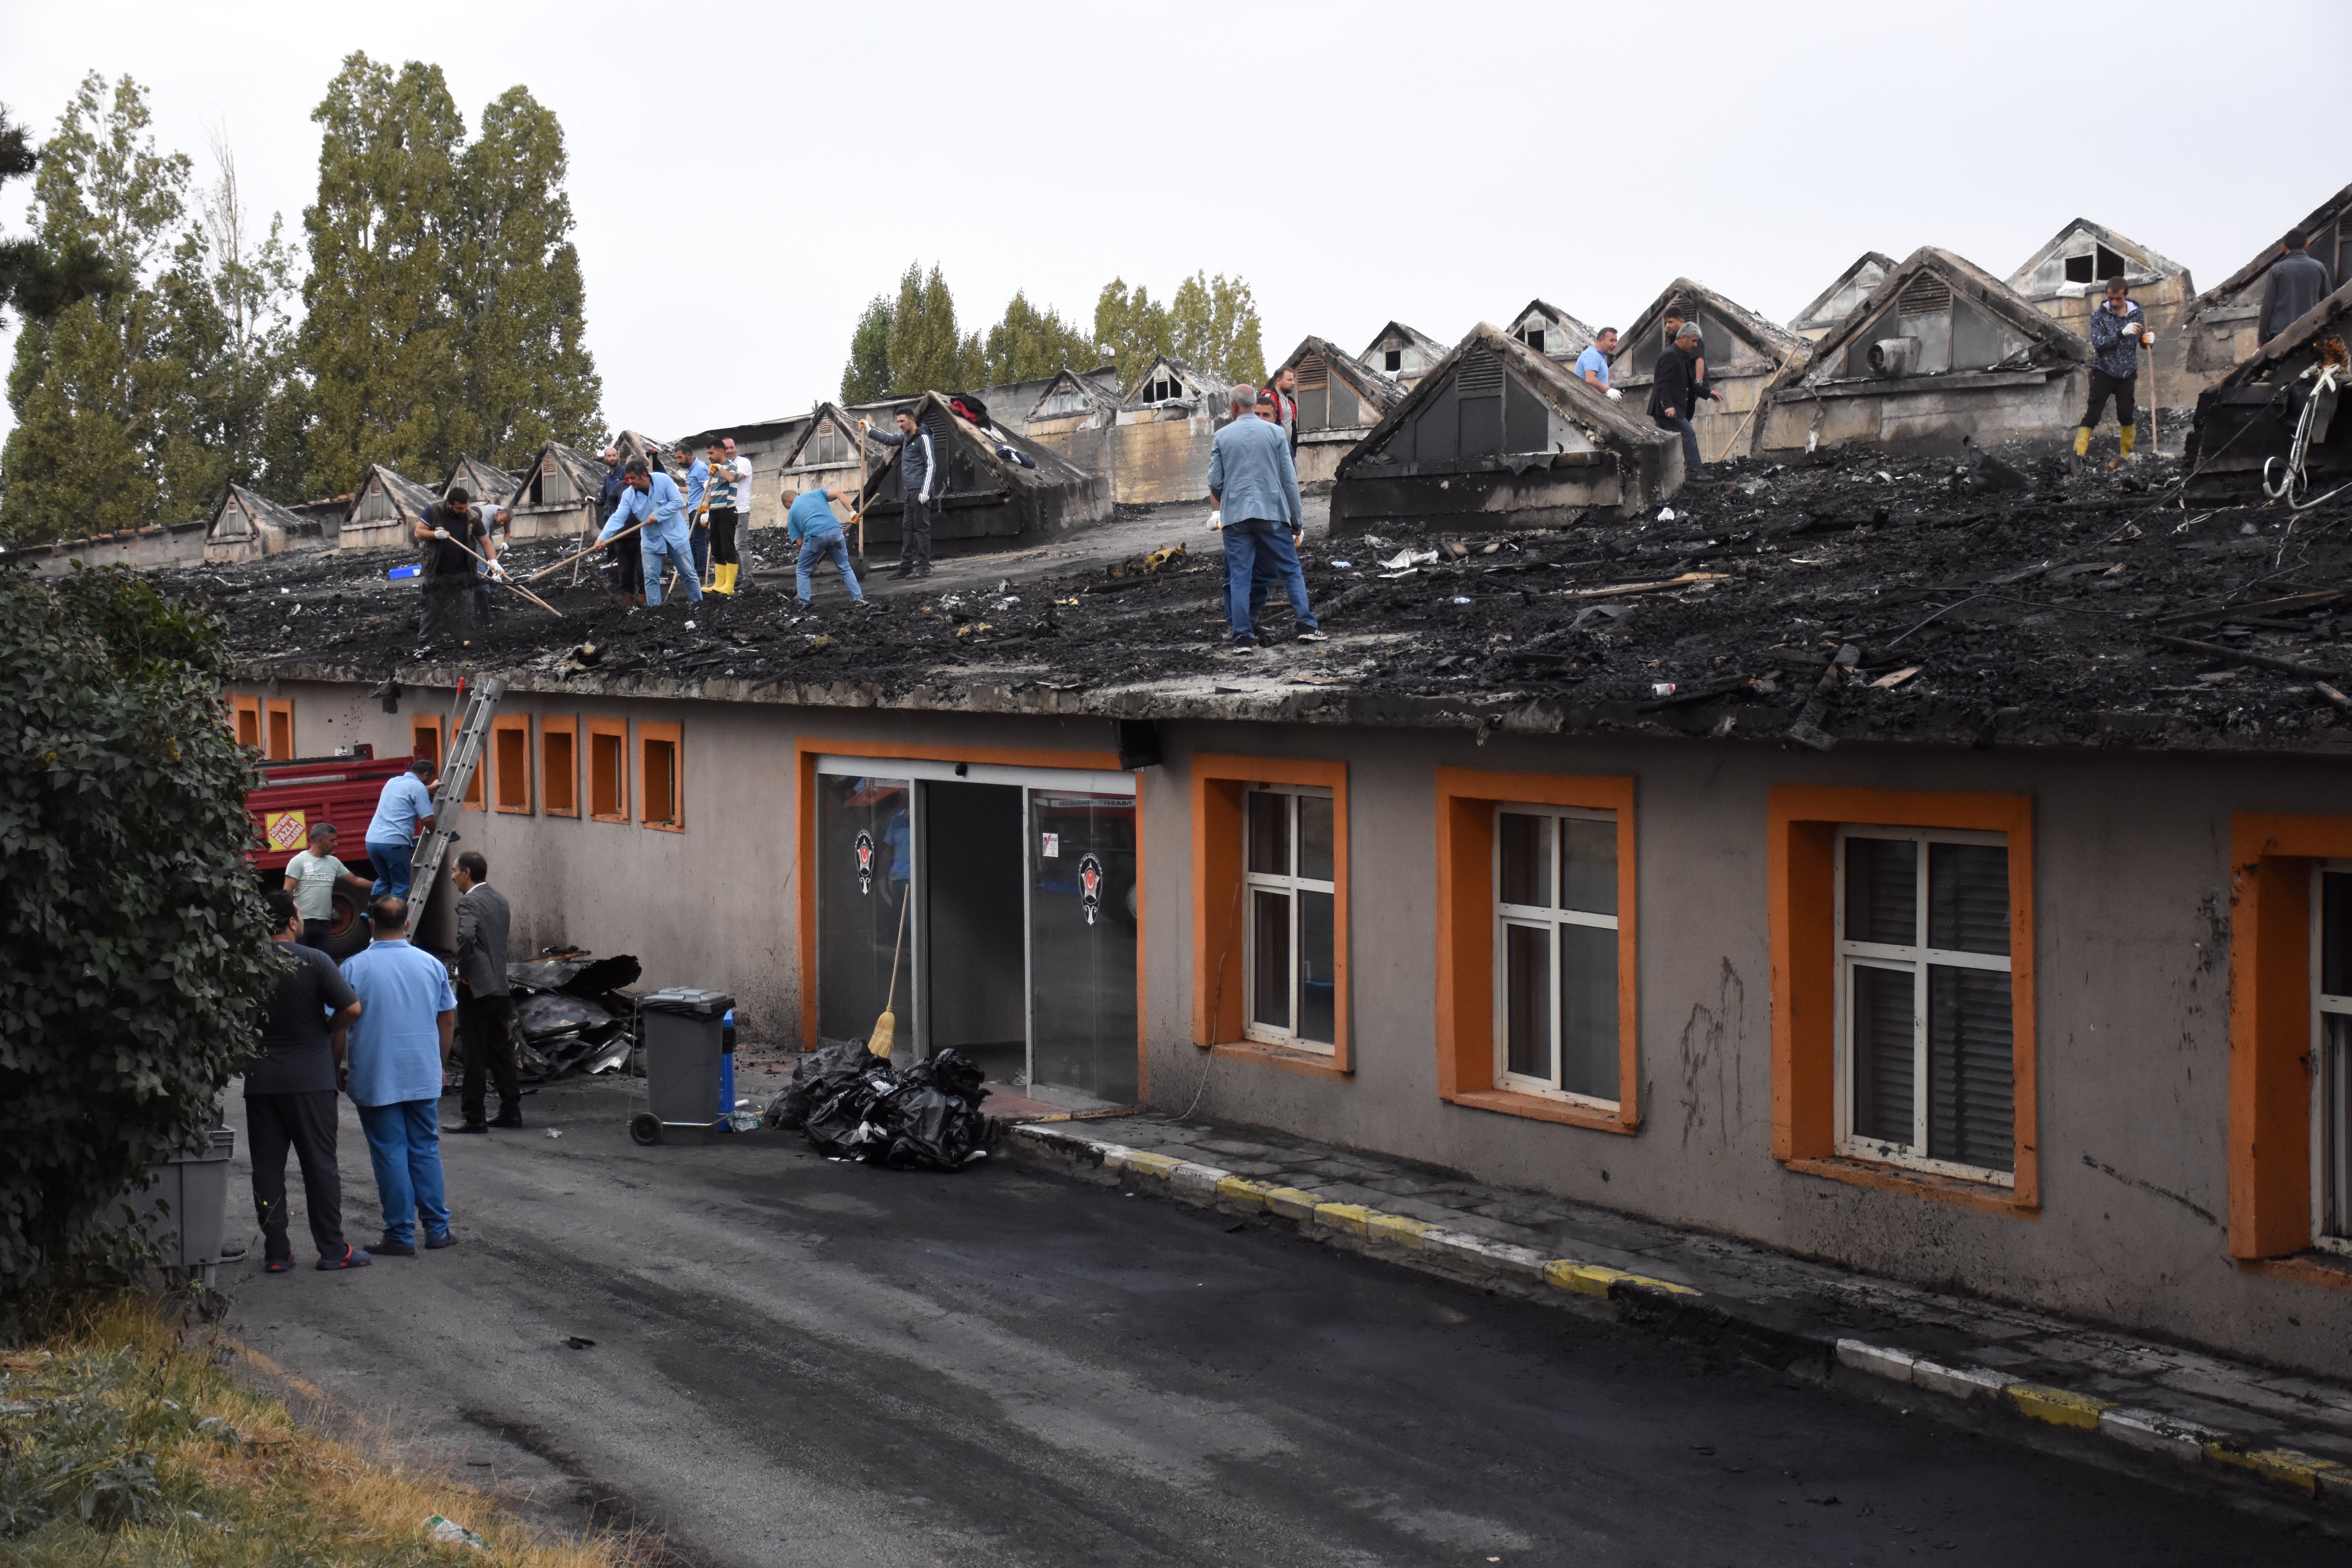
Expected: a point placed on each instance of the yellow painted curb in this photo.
(2305, 1472)
(2058, 1406)
(1353, 1217)
(1593, 1279)
(1242, 1190)
(1395, 1227)
(1158, 1165)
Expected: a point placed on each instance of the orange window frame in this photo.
(558, 782)
(805, 753)
(1800, 862)
(428, 736)
(2271, 1069)
(244, 721)
(510, 762)
(277, 728)
(651, 738)
(1219, 925)
(616, 731)
(1467, 800)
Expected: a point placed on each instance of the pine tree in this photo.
(867, 377)
(380, 341)
(1132, 327)
(520, 301)
(1213, 325)
(94, 383)
(926, 352)
(1029, 344)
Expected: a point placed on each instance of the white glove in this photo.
(1216, 519)
(497, 568)
(440, 533)
(1613, 395)
(2147, 337)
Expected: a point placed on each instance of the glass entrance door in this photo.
(1082, 939)
(866, 859)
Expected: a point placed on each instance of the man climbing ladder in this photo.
(2117, 330)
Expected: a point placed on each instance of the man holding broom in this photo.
(454, 536)
(654, 501)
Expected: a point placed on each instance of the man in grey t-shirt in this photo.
(289, 1099)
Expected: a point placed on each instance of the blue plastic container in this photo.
(411, 570)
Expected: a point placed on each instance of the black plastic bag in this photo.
(827, 1067)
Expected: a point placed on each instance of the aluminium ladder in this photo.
(457, 768)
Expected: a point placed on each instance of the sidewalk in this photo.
(2124, 1400)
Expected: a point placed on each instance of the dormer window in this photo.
(1533, 338)
(828, 445)
(2095, 266)
(1163, 387)
(1393, 361)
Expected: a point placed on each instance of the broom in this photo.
(886, 1026)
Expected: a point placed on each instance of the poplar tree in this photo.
(520, 301)
(1132, 327)
(1029, 344)
(381, 341)
(867, 377)
(926, 352)
(93, 382)
(1212, 324)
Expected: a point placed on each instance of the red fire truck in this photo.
(289, 796)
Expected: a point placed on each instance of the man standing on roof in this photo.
(923, 479)
(738, 525)
(809, 523)
(1283, 393)
(2117, 330)
(621, 560)
(455, 537)
(2296, 282)
(719, 506)
(1672, 387)
(1255, 485)
(698, 508)
(655, 501)
(402, 811)
(1592, 365)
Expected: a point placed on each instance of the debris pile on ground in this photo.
(1986, 596)
(571, 1014)
(854, 1105)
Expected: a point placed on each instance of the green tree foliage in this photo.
(134, 952)
(1029, 342)
(383, 339)
(867, 377)
(97, 383)
(1212, 324)
(1132, 327)
(926, 352)
(520, 297)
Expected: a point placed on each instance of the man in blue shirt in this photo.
(396, 1055)
(2117, 329)
(654, 499)
(1592, 365)
(402, 811)
(1255, 486)
(698, 508)
(809, 522)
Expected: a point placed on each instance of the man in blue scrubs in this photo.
(654, 499)
(396, 1055)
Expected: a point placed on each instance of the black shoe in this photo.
(508, 1119)
(469, 1127)
(924, 570)
(386, 1246)
(435, 1243)
(904, 570)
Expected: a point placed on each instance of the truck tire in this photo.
(350, 932)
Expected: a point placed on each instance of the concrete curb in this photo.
(1638, 1299)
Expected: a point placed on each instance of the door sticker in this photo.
(864, 862)
(1090, 879)
(1053, 848)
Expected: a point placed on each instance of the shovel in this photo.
(886, 1026)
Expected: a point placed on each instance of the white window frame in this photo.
(1291, 884)
(1916, 957)
(2326, 1082)
(1530, 915)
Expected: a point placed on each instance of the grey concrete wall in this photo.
(2131, 890)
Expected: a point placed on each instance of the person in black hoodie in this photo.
(1672, 392)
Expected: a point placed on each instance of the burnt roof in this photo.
(1372, 386)
(1200, 382)
(1577, 331)
(2327, 318)
(1419, 339)
(1811, 316)
(823, 413)
(413, 499)
(259, 509)
(1089, 384)
(484, 481)
(2051, 343)
(1769, 337)
(2335, 209)
(2153, 263)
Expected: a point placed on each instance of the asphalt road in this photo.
(800, 1361)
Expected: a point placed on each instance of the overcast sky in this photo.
(1438, 164)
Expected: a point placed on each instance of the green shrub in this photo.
(135, 954)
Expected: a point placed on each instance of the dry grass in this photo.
(127, 1442)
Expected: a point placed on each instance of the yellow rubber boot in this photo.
(2082, 440)
(2130, 438)
(723, 580)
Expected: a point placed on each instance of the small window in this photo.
(608, 769)
(558, 767)
(279, 729)
(1533, 338)
(1555, 1013)
(2110, 264)
(2331, 1107)
(1927, 1054)
(660, 778)
(244, 721)
(510, 761)
(1393, 361)
(1291, 979)
(424, 738)
(2079, 269)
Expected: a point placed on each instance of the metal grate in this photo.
(1313, 374)
(1924, 296)
(1481, 374)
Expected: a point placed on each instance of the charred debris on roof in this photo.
(1848, 595)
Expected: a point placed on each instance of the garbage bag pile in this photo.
(853, 1105)
(570, 1016)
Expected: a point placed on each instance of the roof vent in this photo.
(1481, 374)
(1924, 296)
(1894, 356)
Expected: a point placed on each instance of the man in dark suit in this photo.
(485, 1009)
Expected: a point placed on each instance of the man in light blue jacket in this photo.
(1255, 486)
(654, 499)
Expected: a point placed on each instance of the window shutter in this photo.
(1883, 1041)
(1882, 890)
(1971, 1076)
(1313, 372)
(1968, 898)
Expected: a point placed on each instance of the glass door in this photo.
(867, 935)
(1082, 927)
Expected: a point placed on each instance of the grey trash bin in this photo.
(683, 1033)
(183, 1203)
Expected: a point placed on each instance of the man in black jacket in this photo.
(455, 536)
(2296, 282)
(289, 1097)
(485, 1006)
(923, 479)
(1671, 391)
(623, 559)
